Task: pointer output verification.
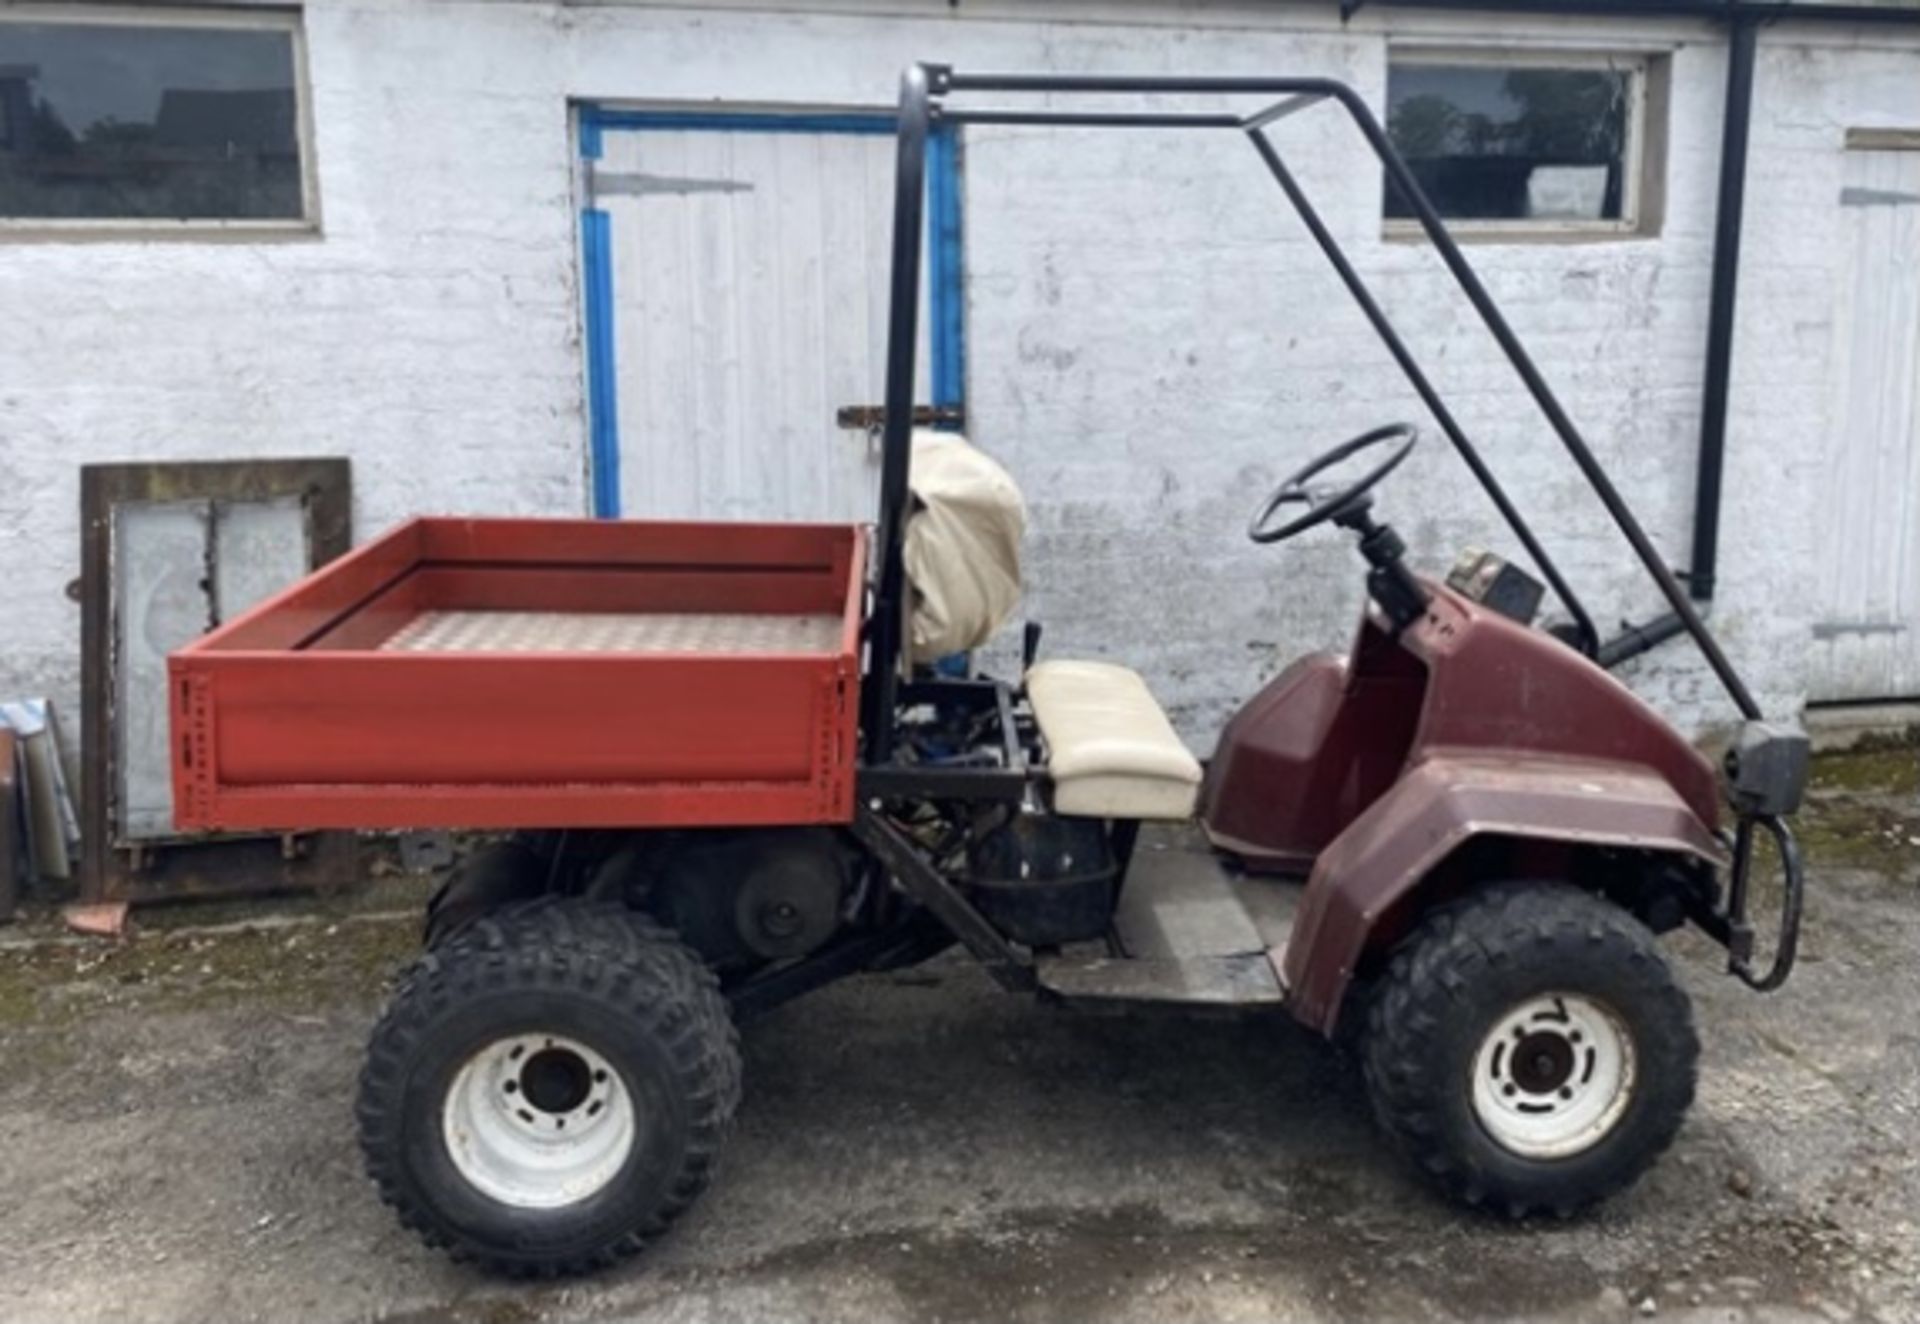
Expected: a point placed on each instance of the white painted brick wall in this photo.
(1152, 339)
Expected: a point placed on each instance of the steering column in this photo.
(1389, 582)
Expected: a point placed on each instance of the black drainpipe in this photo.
(1729, 215)
(1702, 571)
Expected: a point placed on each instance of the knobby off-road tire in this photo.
(1529, 1050)
(546, 1016)
(494, 877)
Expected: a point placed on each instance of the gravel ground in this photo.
(176, 1144)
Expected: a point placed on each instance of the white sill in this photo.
(1522, 232)
(55, 230)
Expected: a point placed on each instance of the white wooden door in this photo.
(1867, 630)
(748, 275)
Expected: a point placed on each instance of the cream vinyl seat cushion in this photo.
(962, 550)
(1111, 752)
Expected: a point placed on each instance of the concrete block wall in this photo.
(1153, 340)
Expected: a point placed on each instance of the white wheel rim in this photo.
(1553, 1076)
(538, 1121)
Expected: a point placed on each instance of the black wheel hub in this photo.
(555, 1081)
(780, 921)
(1542, 1062)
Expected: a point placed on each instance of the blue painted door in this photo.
(736, 283)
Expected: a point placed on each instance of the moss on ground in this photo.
(1863, 811)
(1852, 835)
(285, 966)
(1893, 770)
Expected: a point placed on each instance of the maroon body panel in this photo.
(1373, 770)
(1309, 752)
(1441, 802)
(1495, 684)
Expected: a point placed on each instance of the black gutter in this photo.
(1729, 218)
(1769, 11)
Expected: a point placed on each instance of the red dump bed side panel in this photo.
(330, 706)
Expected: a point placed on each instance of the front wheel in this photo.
(548, 1088)
(1529, 1049)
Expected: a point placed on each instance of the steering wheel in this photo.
(1323, 503)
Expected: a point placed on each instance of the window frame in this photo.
(252, 18)
(1642, 157)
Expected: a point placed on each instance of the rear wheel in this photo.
(493, 877)
(1529, 1049)
(548, 1088)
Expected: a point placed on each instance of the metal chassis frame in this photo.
(924, 89)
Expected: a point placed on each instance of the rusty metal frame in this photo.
(220, 866)
(871, 418)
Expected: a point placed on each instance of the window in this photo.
(1522, 142)
(173, 120)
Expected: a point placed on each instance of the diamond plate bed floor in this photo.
(613, 632)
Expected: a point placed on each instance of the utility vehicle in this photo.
(726, 780)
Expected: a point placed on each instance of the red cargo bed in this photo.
(534, 673)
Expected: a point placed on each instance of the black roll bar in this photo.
(922, 88)
(888, 626)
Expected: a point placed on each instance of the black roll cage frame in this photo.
(923, 92)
